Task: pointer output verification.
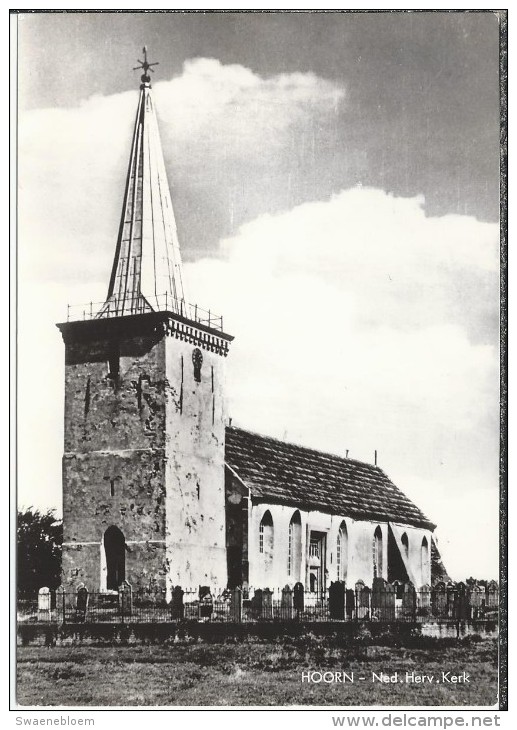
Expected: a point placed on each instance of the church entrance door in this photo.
(115, 550)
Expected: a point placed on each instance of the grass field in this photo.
(255, 673)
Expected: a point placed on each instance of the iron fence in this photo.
(336, 604)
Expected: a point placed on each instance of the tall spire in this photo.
(147, 271)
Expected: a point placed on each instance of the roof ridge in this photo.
(308, 448)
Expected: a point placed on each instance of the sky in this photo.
(336, 189)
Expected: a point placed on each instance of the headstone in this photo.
(450, 589)
(125, 600)
(286, 603)
(462, 610)
(424, 600)
(439, 600)
(81, 604)
(298, 598)
(409, 602)
(206, 602)
(176, 604)
(350, 603)
(267, 604)
(60, 605)
(337, 600)
(256, 603)
(44, 604)
(492, 595)
(236, 605)
(383, 600)
(476, 600)
(362, 600)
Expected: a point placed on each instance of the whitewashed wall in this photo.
(274, 574)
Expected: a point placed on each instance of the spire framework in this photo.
(147, 270)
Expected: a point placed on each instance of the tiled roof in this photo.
(284, 473)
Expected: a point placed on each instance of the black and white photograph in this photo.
(260, 323)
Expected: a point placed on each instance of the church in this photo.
(159, 489)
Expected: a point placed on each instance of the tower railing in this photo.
(141, 305)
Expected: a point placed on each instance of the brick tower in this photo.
(143, 464)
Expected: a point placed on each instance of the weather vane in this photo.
(146, 66)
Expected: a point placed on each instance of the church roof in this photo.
(147, 270)
(284, 473)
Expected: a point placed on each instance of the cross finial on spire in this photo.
(146, 66)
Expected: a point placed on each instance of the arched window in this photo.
(405, 544)
(266, 537)
(424, 560)
(115, 550)
(294, 555)
(377, 553)
(342, 553)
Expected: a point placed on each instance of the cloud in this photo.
(220, 125)
(358, 326)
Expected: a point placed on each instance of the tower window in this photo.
(112, 487)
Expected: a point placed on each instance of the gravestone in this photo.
(125, 600)
(299, 598)
(256, 603)
(383, 600)
(176, 604)
(462, 609)
(409, 602)
(477, 601)
(44, 604)
(267, 604)
(362, 594)
(492, 595)
(236, 605)
(450, 589)
(337, 600)
(60, 605)
(439, 600)
(424, 600)
(206, 602)
(81, 603)
(350, 603)
(286, 603)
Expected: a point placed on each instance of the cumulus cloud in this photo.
(221, 127)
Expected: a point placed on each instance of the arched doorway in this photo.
(115, 551)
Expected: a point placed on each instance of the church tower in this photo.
(143, 464)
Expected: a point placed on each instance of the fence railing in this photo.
(140, 305)
(384, 602)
